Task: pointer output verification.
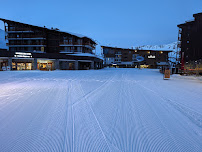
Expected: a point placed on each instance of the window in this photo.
(118, 52)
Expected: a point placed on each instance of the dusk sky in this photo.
(121, 23)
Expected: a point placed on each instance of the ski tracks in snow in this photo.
(105, 110)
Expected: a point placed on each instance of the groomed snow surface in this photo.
(99, 110)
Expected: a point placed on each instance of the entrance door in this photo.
(21, 66)
(49, 66)
(3, 65)
(45, 66)
(71, 66)
(28, 66)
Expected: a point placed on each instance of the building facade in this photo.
(120, 57)
(33, 47)
(189, 43)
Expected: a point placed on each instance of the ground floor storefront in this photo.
(135, 65)
(22, 64)
(192, 68)
(47, 62)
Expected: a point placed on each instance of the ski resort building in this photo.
(189, 44)
(33, 47)
(130, 58)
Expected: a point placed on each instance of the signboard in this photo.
(138, 58)
(23, 55)
(151, 56)
(8, 68)
(4, 68)
(167, 74)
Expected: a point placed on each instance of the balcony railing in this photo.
(19, 29)
(67, 51)
(117, 58)
(76, 44)
(70, 43)
(27, 44)
(118, 53)
(27, 36)
(20, 32)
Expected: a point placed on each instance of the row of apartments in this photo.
(190, 44)
(133, 58)
(33, 47)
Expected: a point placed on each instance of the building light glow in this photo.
(22, 55)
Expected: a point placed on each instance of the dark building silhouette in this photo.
(130, 58)
(190, 43)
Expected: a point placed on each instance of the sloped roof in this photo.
(163, 50)
(56, 30)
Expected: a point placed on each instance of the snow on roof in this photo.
(77, 35)
(166, 47)
(144, 48)
(156, 50)
(86, 54)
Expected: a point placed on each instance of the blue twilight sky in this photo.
(121, 23)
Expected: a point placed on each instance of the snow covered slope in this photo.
(2, 39)
(115, 110)
(172, 46)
